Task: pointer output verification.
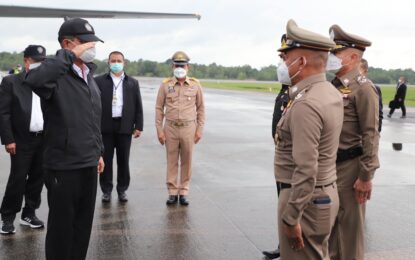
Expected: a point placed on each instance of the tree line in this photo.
(212, 71)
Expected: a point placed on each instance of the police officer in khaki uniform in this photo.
(307, 142)
(180, 103)
(357, 157)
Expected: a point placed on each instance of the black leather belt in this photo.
(36, 133)
(282, 185)
(344, 155)
(116, 118)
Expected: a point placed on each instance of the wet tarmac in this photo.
(233, 196)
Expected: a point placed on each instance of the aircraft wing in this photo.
(41, 12)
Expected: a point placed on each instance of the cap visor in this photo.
(89, 38)
(180, 62)
(286, 48)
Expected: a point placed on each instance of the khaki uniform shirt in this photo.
(307, 141)
(180, 103)
(361, 120)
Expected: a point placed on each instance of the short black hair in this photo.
(364, 64)
(116, 52)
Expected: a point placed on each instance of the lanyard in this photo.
(115, 87)
(114, 92)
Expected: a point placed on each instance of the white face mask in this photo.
(180, 73)
(334, 63)
(284, 75)
(34, 65)
(88, 55)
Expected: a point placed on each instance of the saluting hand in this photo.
(363, 190)
(136, 133)
(198, 136)
(295, 235)
(79, 49)
(11, 148)
(101, 165)
(162, 138)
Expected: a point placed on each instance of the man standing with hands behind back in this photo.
(73, 142)
(122, 116)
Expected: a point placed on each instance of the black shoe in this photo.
(272, 254)
(106, 197)
(172, 200)
(32, 221)
(7, 227)
(122, 197)
(183, 200)
(389, 115)
(403, 116)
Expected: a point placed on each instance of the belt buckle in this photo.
(178, 123)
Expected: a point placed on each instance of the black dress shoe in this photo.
(172, 200)
(272, 254)
(106, 197)
(122, 197)
(183, 200)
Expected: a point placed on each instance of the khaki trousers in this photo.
(316, 223)
(346, 240)
(180, 141)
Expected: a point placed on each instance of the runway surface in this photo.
(233, 196)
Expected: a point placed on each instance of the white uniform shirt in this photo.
(117, 95)
(36, 118)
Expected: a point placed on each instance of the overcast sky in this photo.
(231, 32)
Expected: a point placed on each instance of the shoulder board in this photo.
(194, 79)
(361, 80)
(166, 80)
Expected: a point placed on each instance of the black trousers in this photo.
(403, 110)
(71, 199)
(26, 179)
(121, 143)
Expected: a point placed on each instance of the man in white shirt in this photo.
(21, 128)
(122, 119)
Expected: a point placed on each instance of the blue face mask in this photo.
(116, 67)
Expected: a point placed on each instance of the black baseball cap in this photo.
(36, 52)
(80, 28)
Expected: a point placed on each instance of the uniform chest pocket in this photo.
(190, 94)
(172, 97)
(348, 103)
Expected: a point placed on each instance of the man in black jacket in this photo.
(364, 70)
(122, 116)
(21, 125)
(399, 99)
(281, 102)
(71, 104)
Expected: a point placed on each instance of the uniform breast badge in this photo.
(287, 107)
